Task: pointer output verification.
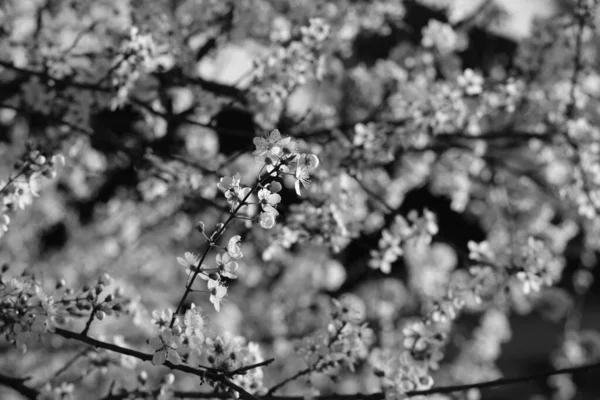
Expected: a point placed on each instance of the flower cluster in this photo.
(409, 370)
(536, 266)
(290, 66)
(440, 36)
(135, 57)
(346, 342)
(182, 341)
(228, 353)
(20, 189)
(417, 230)
(226, 266)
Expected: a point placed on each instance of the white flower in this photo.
(217, 292)
(229, 182)
(162, 318)
(270, 146)
(190, 262)
(233, 247)
(269, 201)
(165, 346)
(267, 220)
(226, 265)
(194, 325)
(304, 164)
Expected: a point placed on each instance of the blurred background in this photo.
(142, 169)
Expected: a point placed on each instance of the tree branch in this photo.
(205, 372)
(438, 390)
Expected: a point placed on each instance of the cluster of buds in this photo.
(98, 300)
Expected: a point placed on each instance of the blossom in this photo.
(217, 292)
(471, 82)
(190, 261)
(269, 201)
(194, 324)
(162, 318)
(226, 265)
(267, 220)
(229, 182)
(304, 164)
(270, 146)
(234, 193)
(165, 347)
(233, 247)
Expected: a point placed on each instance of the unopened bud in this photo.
(105, 279)
(100, 315)
(60, 284)
(109, 298)
(169, 379)
(176, 330)
(200, 226)
(99, 288)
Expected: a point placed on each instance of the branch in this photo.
(205, 372)
(438, 390)
(214, 238)
(18, 385)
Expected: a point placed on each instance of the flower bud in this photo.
(176, 330)
(109, 298)
(99, 288)
(100, 315)
(105, 279)
(200, 226)
(60, 284)
(169, 379)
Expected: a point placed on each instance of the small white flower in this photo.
(226, 265)
(233, 247)
(269, 201)
(267, 220)
(190, 262)
(162, 318)
(217, 292)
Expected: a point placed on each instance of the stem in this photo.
(310, 368)
(88, 324)
(69, 363)
(214, 238)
